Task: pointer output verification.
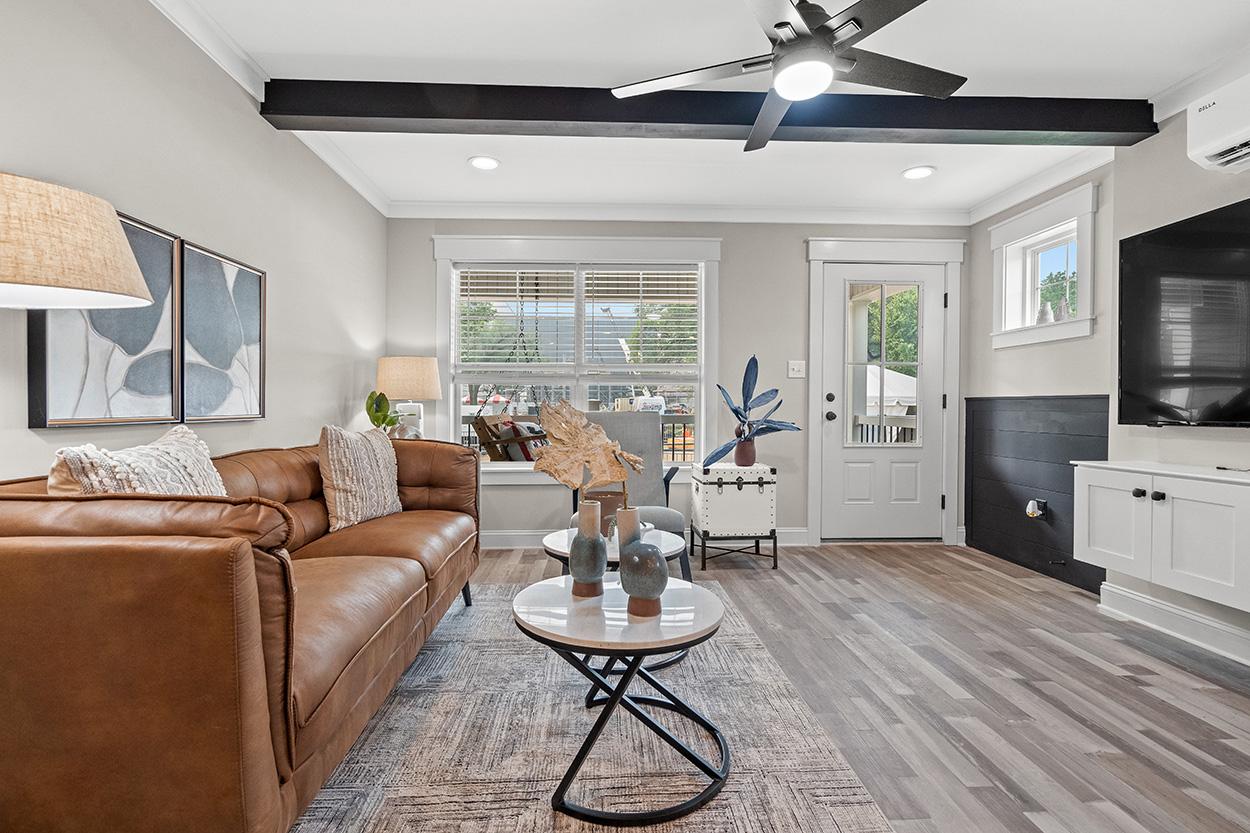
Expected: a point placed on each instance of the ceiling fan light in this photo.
(801, 74)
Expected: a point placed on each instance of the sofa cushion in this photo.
(176, 463)
(429, 536)
(342, 605)
(358, 475)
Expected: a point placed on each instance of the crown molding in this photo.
(1067, 170)
(333, 156)
(1180, 95)
(215, 42)
(670, 212)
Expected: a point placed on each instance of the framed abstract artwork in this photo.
(112, 366)
(223, 337)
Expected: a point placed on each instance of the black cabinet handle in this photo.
(1157, 496)
(830, 415)
(1139, 493)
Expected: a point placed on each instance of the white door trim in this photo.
(946, 252)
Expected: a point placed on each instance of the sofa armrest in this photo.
(264, 523)
(438, 475)
(133, 677)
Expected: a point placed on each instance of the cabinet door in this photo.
(1111, 526)
(1198, 545)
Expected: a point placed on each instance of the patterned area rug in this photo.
(479, 731)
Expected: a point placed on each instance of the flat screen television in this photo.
(1185, 322)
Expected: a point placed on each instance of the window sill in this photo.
(523, 474)
(1040, 333)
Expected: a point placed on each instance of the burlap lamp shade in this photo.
(61, 248)
(410, 378)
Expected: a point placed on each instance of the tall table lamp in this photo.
(63, 249)
(408, 381)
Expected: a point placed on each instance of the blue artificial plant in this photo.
(749, 429)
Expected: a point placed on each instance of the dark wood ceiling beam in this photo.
(409, 107)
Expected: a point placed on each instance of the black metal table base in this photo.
(701, 539)
(612, 693)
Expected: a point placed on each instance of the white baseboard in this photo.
(510, 539)
(961, 536)
(1197, 628)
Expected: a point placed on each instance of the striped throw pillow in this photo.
(359, 475)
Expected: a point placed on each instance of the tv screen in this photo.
(1185, 322)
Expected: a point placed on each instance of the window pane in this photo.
(900, 418)
(515, 316)
(902, 323)
(863, 323)
(1056, 281)
(642, 317)
(863, 396)
(675, 403)
(487, 399)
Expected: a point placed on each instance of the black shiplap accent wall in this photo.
(1018, 448)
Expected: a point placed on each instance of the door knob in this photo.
(1139, 493)
(830, 416)
(829, 397)
(1157, 495)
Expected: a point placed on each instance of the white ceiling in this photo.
(1079, 48)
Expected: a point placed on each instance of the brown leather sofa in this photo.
(165, 665)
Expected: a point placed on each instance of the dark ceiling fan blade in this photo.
(873, 70)
(733, 69)
(868, 16)
(771, 12)
(771, 114)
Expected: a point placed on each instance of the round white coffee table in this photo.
(556, 544)
(578, 628)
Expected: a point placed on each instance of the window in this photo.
(1042, 266)
(604, 337)
(882, 364)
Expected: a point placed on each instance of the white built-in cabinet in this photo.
(1183, 527)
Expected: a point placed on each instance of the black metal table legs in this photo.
(702, 538)
(612, 693)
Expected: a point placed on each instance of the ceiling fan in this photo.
(812, 48)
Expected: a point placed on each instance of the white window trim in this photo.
(1080, 205)
(512, 249)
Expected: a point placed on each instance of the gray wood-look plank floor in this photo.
(970, 694)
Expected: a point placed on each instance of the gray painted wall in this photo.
(763, 310)
(112, 99)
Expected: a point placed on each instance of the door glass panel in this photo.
(882, 369)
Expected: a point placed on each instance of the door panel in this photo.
(1112, 526)
(1197, 545)
(882, 433)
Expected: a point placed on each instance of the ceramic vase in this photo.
(588, 554)
(644, 572)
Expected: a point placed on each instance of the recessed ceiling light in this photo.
(919, 172)
(484, 163)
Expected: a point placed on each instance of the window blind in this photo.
(641, 317)
(515, 316)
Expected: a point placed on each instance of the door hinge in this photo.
(943, 401)
(943, 501)
(946, 299)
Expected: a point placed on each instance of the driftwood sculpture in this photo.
(579, 446)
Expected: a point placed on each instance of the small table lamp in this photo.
(406, 380)
(63, 249)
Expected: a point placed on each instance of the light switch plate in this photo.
(796, 370)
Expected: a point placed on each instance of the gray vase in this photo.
(644, 572)
(588, 554)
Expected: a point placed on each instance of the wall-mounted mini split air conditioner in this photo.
(1219, 128)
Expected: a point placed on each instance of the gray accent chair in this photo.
(643, 434)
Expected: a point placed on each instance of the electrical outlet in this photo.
(796, 370)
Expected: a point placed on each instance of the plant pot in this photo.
(744, 453)
(609, 503)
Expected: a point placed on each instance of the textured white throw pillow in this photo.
(359, 475)
(178, 463)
